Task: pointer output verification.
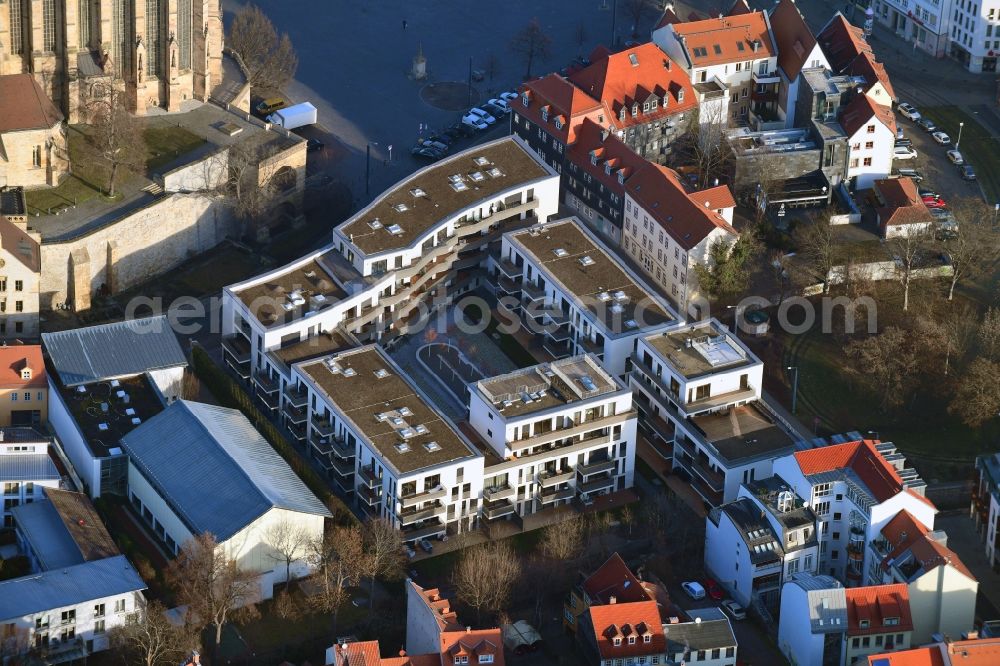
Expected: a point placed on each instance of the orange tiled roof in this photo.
(881, 478)
(905, 533)
(618, 83)
(432, 659)
(715, 198)
(842, 42)
(590, 140)
(975, 652)
(872, 71)
(903, 204)
(560, 98)
(861, 110)
(793, 37)
(446, 618)
(715, 41)
(471, 643)
(359, 653)
(924, 656)
(614, 579)
(638, 618)
(876, 604)
(14, 359)
(660, 192)
(24, 105)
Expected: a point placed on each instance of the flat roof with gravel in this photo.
(584, 271)
(405, 212)
(385, 408)
(700, 349)
(288, 294)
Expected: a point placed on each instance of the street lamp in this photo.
(795, 385)
(960, 126)
(996, 209)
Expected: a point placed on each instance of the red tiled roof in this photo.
(24, 105)
(902, 531)
(975, 652)
(861, 111)
(842, 42)
(906, 533)
(616, 83)
(668, 18)
(614, 579)
(721, 39)
(14, 359)
(447, 619)
(660, 192)
(792, 36)
(876, 604)
(715, 197)
(359, 653)
(590, 138)
(562, 98)
(473, 642)
(623, 620)
(924, 656)
(433, 659)
(902, 203)
(881, 478)
(932, 554)
(873, 72)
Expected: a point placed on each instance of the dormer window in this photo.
(648, 638)
(635, 110)
(545, 113)
(607, 169)
(680, 95)
(666, 101)
(618, 641)
(524, 99)
(631, 640)
(621, 114)
(653, 104)
(645, 107)
(864, 624)
(26, 373)
(621, 177)
(559, 123)
(593, 158)
(891, 621)
(485, 659)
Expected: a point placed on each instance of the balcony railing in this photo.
(423, 531)
(548, 478)
(596, 485)
(237, 347)
(494, 510)
(596, 467)
(509, 269)
(368, 477)
(492, 494)
(323, 427)
(295, 415)
(425, 496)
(547, 496)
(368, 496)
(296, 396)
(266, 383)
(418, 515)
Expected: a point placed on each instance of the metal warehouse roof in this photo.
(59, 588)
(27, 467)
(214, 470)
(108, 351)
(51, 542)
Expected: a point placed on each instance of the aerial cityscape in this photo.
(423, 333)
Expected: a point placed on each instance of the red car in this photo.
(713, 589)
(933, 198)
(936, 203)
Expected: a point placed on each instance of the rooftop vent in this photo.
(380, 417)
(405, 411)
(102, 426)
(350, 372)
(136, 420)
(407, 433)
(620, 296)
(560, 252)
(586, 260)
(631, 323)
(421, 429)
(394, 229)
(381, 373)
(604, 297)
(617, 308)
(431, 447)
(495, 172)
(418, 192)
(398, 421)
(401, 208)
(477, 176)
(459, 185)
(588, 383)
(481, 161)
(375, 224)
(401, 447)
(634, 59)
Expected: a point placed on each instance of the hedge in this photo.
(230, 394)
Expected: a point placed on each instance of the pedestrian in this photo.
(404, 24)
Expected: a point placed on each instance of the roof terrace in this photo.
(700, 349)
(291, 293)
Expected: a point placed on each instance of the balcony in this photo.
(721, 400)
(266, 383)
(532, 292)
(590, 346)
(661, 428)
(548, 496)
(494, 510)
(237, 348)
(508, 268)
(596, 467)
(855, 553)
(715, 480)
(321, 426)
(423, 531)
(418, 515)
(271, 400)
(368, 477)
(295, 415)
(296, 396)
(712, 497)
(766, 77)
(498, 493)
(596, 485)
(344, 468)
(548, 478)
(425, 496)
(368, 496)
(557, 333)
(556, 349)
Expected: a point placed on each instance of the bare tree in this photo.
(115, 134)
(254, 183)
(338, 557)
(627, 518)
(816, 247)
(288, 543)
(705, 145)
(989, 335)
(190, 385)
(147, 637)
(563, 541)
(886, 363)
(974, 248)
(977, 397)
(598, 526)
(270, 60)
(909, 249)
(485, 576)
(531, 44)
(15, 641)
(383, 548)
(947, 335)
(636, 10)
(213, 587)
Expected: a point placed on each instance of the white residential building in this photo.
(568, 290)
(558, 433)
(773, 536)
(819, 600)
(80, 587)
(928, 25)
(248, 492)
(388, 443)
(737, 54)
(698, 392)
(419, 243)
(854, 490)
(975, 33)
(985, 509)
(871, 139)
(668, 231)
(25, 469)
(108, 379)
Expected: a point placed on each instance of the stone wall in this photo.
(133, 249)
(208, 173)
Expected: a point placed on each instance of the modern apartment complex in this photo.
(985, 509)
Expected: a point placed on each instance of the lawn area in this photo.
(166, 143)
(86, 182)
(209, 273)
(979, 148)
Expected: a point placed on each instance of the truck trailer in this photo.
(298, 115)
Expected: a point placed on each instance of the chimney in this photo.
(756, 45)
(468, 630)
(613, 600)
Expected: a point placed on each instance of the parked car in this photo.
(270, 105)
(441, 138)
(426, 546)
(913, 174)
(927, 125)
(494, 110)
(436, 145)
(908, 111)
(967, 172)
(735, 611)
(903, 153)
(924, 192)
(509, 96)
(462, 129)
(500, 103)
(410, 553)
(693, 589)
(935, 203)
(482, 115)
(312, 145)
(942, 138)
(899, 133)
(714, 591)
(473, 120)
(903, 142)
(427, 152)
(941, 214)
(955, 157)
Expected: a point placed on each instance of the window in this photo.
(854, 163)
(68, 616)
(869, 144)
(648, 638)
(13, 397)
(870, 129)
(631, 640)
(618, 640)
(99, 627)
(184, 18)
(485, 659)
(836, 515)
(49, 25)
(27, 396)
(36, 156)
(868, 161)
(19, 306)
(120, 606)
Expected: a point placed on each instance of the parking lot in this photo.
(938, 173)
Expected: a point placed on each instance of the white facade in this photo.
(870, 153)
(801, 637)
(926, 24)
(17, 489)
(975, 33)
